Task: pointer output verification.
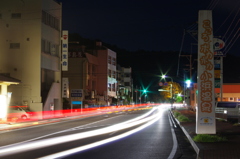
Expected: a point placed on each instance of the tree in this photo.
(176, 89)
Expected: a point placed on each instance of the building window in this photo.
(50, 20)
(114, 61)
(48, 47)
(113, 87)
(114, 74)
(16, 15)
(109, 87)
(109, 59)
(53, 49)
(109, 73)
(42, 45)
(14, 45)
(126, 83)
(127, 75)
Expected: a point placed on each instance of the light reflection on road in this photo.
(146, 118)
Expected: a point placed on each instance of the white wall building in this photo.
(30, 51)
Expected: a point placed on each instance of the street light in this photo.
(164, 76)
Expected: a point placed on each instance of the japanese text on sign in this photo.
(206, 76)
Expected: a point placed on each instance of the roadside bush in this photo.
(236, 124)
(208, 138)
(222, 120)
(182, 118)
(176, 114)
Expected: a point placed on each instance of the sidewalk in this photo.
(219, 150)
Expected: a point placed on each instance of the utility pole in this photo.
(136, 94)
(189, 57)
(140, 97)
(132, 92)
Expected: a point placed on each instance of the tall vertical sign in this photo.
(205, 117)
(64, 50)
(65, 87)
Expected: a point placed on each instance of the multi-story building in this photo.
(30, 51)
(93, 71)
(125, 90)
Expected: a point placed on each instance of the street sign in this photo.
(218, 46)
(163, 90)
(160, 84)
(217, 64)
(217, 83)
(76, 102)
(76, 92)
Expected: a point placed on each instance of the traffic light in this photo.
(188, 82)
(144, 91)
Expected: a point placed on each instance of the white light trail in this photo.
(98, 143)
(67, 138)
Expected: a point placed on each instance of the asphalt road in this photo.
(154, 138)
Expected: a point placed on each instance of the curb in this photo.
(194, 145)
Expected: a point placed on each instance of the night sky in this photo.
(153, 26)
(150, 24)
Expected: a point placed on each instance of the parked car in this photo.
(18, 113)
(228, 110)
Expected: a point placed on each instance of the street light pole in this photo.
(164, 76)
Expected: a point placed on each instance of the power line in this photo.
(232, 43)
(180, 51)
(213, 4)
(231, 23)
(227, 18)
(233, 30)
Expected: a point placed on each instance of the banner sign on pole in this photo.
(65, 88)
(205, 115)
(64, 50)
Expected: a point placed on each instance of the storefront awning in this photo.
(4, 79)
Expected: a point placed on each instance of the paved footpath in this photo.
(218, 150)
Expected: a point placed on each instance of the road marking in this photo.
(101, 142)
(174, 148)
(137, 118)
(170, 116)
(67, 130)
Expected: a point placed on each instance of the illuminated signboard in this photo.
(205, 116)
(64, 50)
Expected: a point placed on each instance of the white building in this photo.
(30, 51)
